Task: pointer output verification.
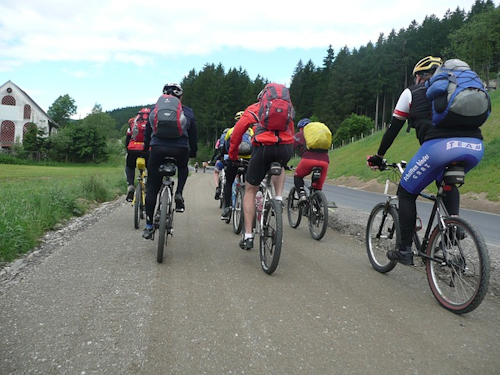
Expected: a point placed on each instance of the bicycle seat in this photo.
(275, 168)
(140, 163)
(454, 174)
(168, 168)
(316, 173)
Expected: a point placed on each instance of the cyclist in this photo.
(218, 165)
(196, 166)
(134, 143)
(438, 148)
(268, 146)
(232, 168)
(181, 148)
(309, 160)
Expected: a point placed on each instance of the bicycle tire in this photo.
(238, 210)
(318, 215)
(294, 213)
(459, 283)
(271, 236)
(137, 205)
(382, 234)
(162, 225)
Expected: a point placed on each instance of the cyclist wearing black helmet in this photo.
(438, 148)
(181, 148)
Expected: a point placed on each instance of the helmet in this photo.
(173, 89)
(303, 123)
(237, 116)
(429, 63)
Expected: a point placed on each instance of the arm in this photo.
(192, 134)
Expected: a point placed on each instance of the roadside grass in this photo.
(35, 198)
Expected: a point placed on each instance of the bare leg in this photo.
(279, 183)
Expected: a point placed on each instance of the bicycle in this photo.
(237, 196)
(453, 250)
(164, 215)
(139, 201)
(268, 222)
(315, 208)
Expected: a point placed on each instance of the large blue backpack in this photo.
(458, 96)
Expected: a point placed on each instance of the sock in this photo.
(248, 235)
(278, 198)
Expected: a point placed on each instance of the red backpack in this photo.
(139, 125)
(276, 109)
(168, 119)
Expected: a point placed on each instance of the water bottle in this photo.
(233, 190)
(260, 203)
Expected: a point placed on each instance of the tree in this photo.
(62, 109)
(33, 140)
(353, 126)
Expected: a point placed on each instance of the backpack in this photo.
(245, 147)
(222, 142)
(317, 136)
(276, 109)
(458, 96)
(139, 125)
(167, 118)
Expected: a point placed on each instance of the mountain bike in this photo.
(315, 208)
(268, 222)
(139, 201)
(237, 196)
(164, 215)
(452, 250)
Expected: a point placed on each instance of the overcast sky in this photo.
(121, 53)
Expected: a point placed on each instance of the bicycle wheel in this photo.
(137, 205)
(294, 213)
(165, 201)
(382, 234)
(318, 215)
(460, 280)
(271, 236)
(238, 210)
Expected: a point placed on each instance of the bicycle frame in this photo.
(438, 211)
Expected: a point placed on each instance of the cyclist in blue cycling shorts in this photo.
(438, 148)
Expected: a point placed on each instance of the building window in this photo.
(8, 100)
(27, 112)
(7, 133)
(26, 127)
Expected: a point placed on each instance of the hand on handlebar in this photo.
(375, 162)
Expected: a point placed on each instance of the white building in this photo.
(17, 111)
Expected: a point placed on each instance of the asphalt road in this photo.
(100, 304)
(364, 201)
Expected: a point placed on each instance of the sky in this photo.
(120, 53)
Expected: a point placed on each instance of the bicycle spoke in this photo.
(460, 281)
